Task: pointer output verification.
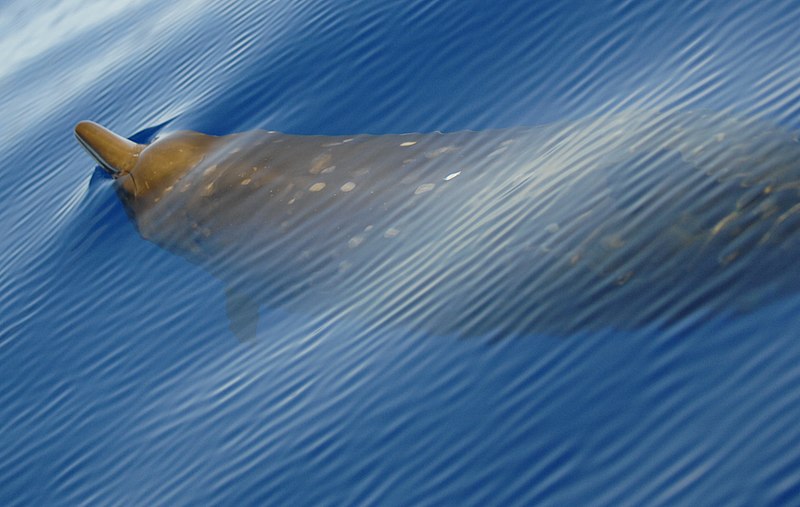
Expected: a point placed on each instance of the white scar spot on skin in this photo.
(720, 137)
(552, 228)
(614, 241)
(319, 163)
(246, 181)
(328, 145)
(236, 150)
(316, 187)
(391, 233)
(622, 280)
(408, 143)
(210, 170)
(168, 189)
(347, 187)
(497, 151)
(724, 222)
(347, 140)
(355, 241)
(208, 190)
(368, 228)
(328, 170)
(451, 176)
(427, 187)
(409, 179)
(440, 151)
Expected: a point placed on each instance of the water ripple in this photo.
(529, 337)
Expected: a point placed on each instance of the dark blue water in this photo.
(122, 383)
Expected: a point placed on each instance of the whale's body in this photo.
(619, 222)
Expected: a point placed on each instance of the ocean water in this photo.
(123, 384)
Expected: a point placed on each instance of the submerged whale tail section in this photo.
(115, 154)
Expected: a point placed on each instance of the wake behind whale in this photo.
(621, 221)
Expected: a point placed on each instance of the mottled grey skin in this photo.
(622, 221)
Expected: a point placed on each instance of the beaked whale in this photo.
(620, 221)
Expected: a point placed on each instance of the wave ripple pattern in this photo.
(582, 291)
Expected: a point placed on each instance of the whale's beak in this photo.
(115, 154)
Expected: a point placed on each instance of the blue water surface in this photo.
(122, 384)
